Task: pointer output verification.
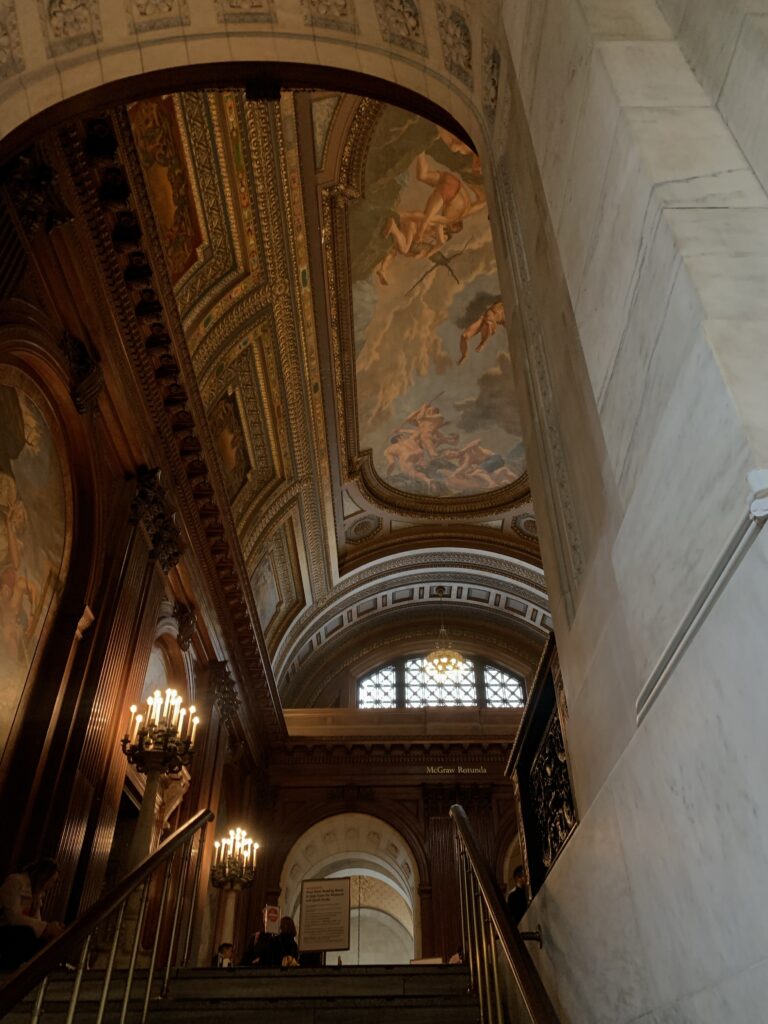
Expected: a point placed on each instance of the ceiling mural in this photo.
(310, 347)
(434, 382)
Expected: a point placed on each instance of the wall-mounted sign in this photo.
(324, 922)
(450, 769)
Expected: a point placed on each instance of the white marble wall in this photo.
(650, 164)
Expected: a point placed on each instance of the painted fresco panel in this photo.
(33, 533)
(435, 391)
(266, 592)
(158, 141)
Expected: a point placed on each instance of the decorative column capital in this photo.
(224, 691)
(150, 508)
(187, 625)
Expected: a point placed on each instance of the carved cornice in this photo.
(109, 199)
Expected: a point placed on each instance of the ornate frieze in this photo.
(456, 41)
(86, 374)
(401, 25)
(69, 24)
(242, 11)
(491, 69)
(111, 191)
(551, 791)
(330, 14)
(149, 507)
(11, 57)
(153, 15)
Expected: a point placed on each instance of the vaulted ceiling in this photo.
(333, 273)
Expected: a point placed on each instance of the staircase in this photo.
(418, 994)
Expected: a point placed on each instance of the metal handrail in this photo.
(484, 924)
(36, 971)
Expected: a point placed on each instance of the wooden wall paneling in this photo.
(116, 692)
(102, 691)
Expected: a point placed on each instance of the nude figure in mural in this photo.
(421, 233)
(485, 325)
(416, 443)
(475, 464)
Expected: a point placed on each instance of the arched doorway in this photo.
(385, 925)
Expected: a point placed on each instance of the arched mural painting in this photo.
(33, 537)
(434, 377)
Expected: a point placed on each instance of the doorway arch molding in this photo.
(358, 843)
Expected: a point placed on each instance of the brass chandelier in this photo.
(444, 661)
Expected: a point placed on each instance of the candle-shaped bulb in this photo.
(132, 710)
(195, 723)
(182, 714)
(137, 727)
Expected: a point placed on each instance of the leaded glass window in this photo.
(502, 690)
(408, 683)
(379, 689)
(422, 690)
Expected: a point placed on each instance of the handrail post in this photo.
(183, 871)
(464, 916)
(477, 946)
(110, 963)
(482, 940)
(153, 955)
(193, 897)
(505, 939)
(135, 950)
(495, 980)
(38, 1004)
(78, 980)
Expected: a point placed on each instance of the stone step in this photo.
(417, 994)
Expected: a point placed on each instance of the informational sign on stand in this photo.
(324, 922)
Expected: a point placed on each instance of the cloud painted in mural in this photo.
(434, 379)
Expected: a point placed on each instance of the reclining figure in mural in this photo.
(421, 234)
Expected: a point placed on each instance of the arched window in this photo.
(406, 683)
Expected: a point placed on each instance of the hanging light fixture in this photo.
(444, 661)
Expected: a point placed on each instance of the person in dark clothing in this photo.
(258, 953)
(284, 943)
(22, 931)
(517, 901)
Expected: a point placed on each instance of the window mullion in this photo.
(480, 682)
(400, 683)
